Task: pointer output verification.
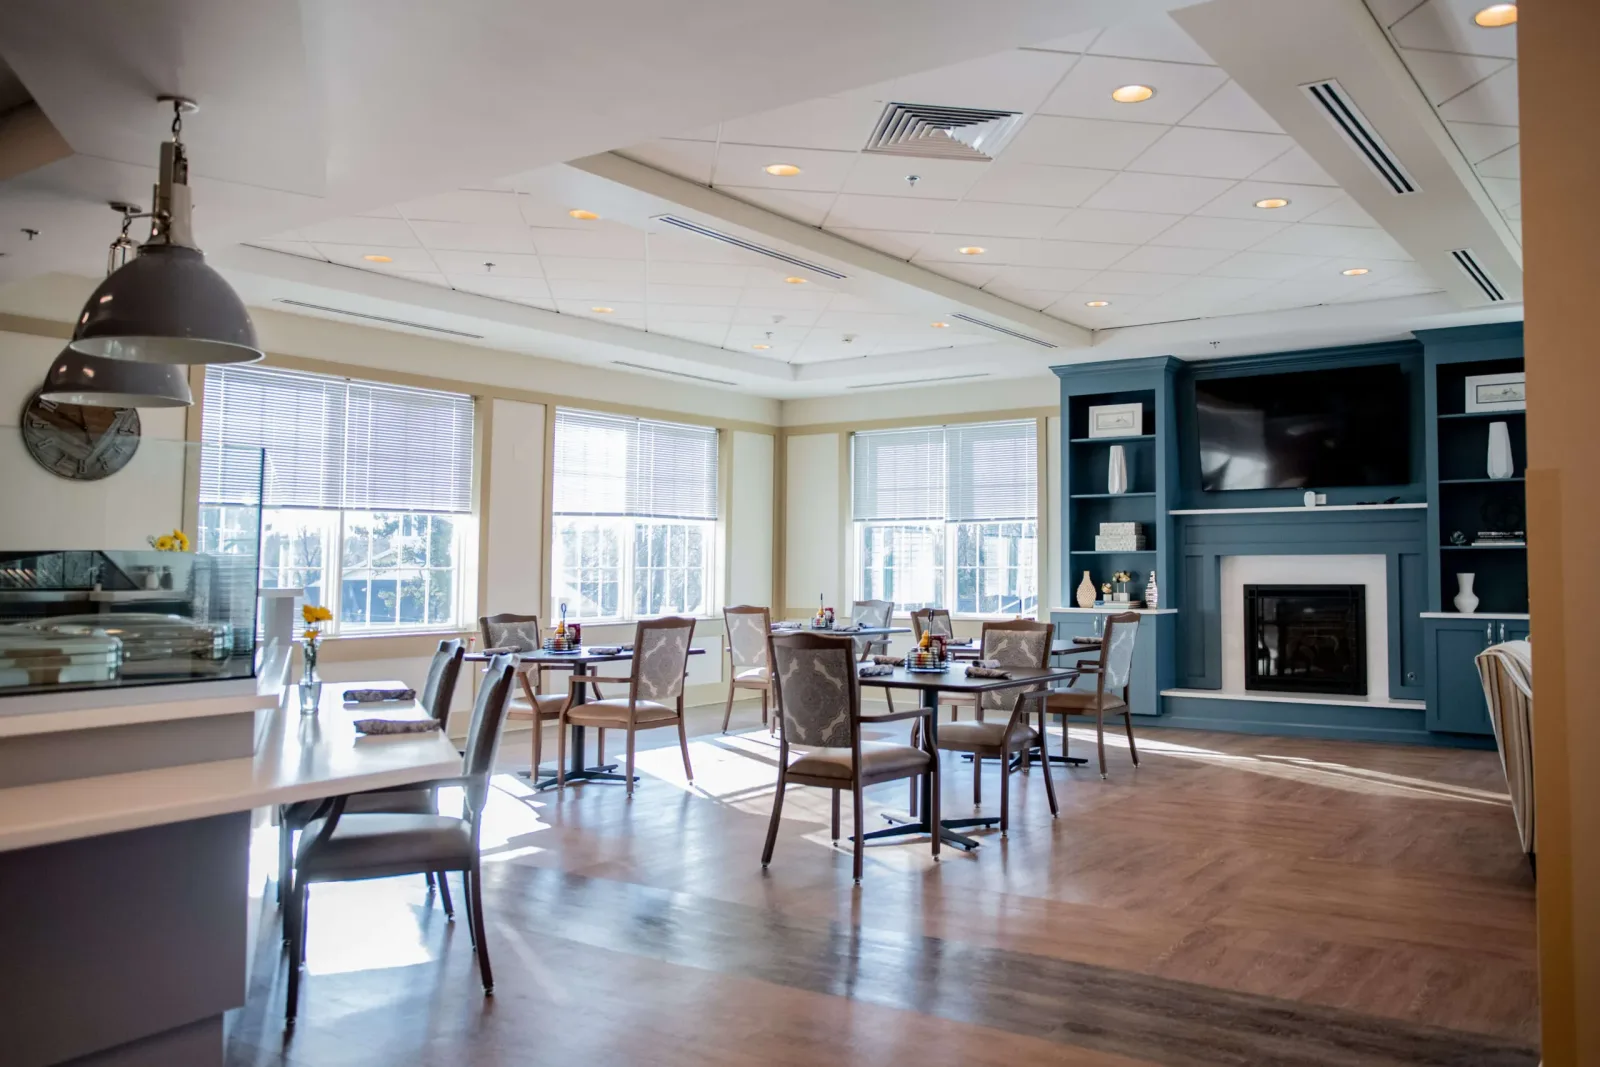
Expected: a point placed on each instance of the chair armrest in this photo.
(1087, 666)
(896, 716)
(580, 679)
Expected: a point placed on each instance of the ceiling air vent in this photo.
(380, 318)
(1473, 269)
(748, 246)
(674, 373)
(918, 381)
(1358, 133)
(997, 328)
(930, 131)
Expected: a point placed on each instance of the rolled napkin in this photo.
(977, 671)
(848, 629)
(505, 650)
(1086, 640)
(395, 726)
(892, 661)
(875, 670)
(376, 696)
(605, 650)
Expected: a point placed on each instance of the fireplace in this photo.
(1306, 638)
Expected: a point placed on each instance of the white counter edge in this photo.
(1288, 698)
(24, 723)
(1474, 615)
(1300, 510)
(1113, 610)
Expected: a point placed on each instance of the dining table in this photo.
(578, 662)
(928, 685)
(842, 631)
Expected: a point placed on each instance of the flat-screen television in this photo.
(1305, 430)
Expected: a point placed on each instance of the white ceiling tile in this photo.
(426, 277)
(1505, 192)
(900, 245)
(1001, 220)
(1342, 212)
(388, 211)
(600, 240)
(522, 290)
(1010, 81)
(402, 259)
(1208, 294)
(1296, 167)
(1168, 193)
(1086, 255)
(1069, 142)
(1151, 38)
(1229, 234)
(1478, 141)
(1231, 108)
(1074, 308)
(506, 264)
(1386, 292)
(888, 213)
(1130, 227)
(293, 248)
(706, 333)
(1388, 12)
(1129, 283)
(1156, 259)
(1350, 242)
(946, 247)
(1073, 42)
(1398, 275)
(692, 160)
(596, 291)
(603, 270)
(356, 230)
(1493, 100)
(668, 244)
(803, 207)
(621, 312)
(699, 133)
(470, 237)
(820, 172)
(1240, 201)
(1447, 26)
(828, 122)
(771, 318)
(691, 312)
(466, 205)
(1507, 164)
(1086, 90)
(1032, 299)
(707, 274)
(966, 274)
(877, 174)
(1211, 153)
(1043, 279)
(1269, 265)
(790, 297)
(1009, 182)
(709, 295)
(1442, 75)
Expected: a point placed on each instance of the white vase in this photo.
(1466, 602)
(1152, 595)
(1117, 472)
(1499, 451)
(1086, 592)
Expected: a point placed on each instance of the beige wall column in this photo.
(1560, 157)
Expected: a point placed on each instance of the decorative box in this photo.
(1122, 529)
(1103, 543)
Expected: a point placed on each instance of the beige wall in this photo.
(1561, 226)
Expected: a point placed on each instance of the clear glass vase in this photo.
(310, 681)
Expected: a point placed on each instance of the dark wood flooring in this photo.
(1234, 900)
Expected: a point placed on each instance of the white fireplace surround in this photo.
(1370, 572)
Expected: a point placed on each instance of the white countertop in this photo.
(1113, 609)
(1298, 509)
(1473, 615)
(300, 758)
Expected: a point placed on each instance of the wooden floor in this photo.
(1234, 900)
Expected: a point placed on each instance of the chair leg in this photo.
(835, 793)
(444, 897)
(474, 879)
(294, 922)
(1049, 782)
(629, 770)
(933, 802)
(772, 827)
(305, 920)
(472, 929)
(561, 752)
(1100, 739)
(1005, 796)
(1133, 750)
(427, 880)
(861, 832)
(683, 744)
(600, 747)
(285, 855)
(766, 694)
(727, 711)
(977, 780)
(916, 790)
(538, 746)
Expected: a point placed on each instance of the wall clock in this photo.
(84, 444)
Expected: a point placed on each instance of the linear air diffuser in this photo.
(1337, 107)
(997, 328)
(379, 318)
(674, 373)
(748, 246)
(1473, 269)
(918, 381)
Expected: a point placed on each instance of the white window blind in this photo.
(970, 472)
(898, 474)
(335, 443)
(618, 466)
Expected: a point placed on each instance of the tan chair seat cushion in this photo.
(752, 674)
(1072, 702)
(983, 734)
(615, 713)
(375, 843)
(550, 705)
(877, 758)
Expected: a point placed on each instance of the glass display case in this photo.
(100, 583)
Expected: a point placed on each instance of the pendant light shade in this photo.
(90, 381)
(166, 305)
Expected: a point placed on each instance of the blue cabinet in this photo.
(1455, 693)
(1152, 654)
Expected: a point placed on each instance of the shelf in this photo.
(1478, 481)
(1105, 496)
(1109, 440)
(1112, 552)
(1483, 548)
(1298, 508)
(1481, 414)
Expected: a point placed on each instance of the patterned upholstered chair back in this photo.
(818, 692)
(442, 673)
(519, 633)
(748, 630)
(660, 658)
(483, 733)
(873, 613)
(1014, 644)
(1116, 658)
(934, 620)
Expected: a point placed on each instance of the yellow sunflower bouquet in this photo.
(313, 615)
(176, 541)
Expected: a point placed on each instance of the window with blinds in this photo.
(946, 516)
(635, 503)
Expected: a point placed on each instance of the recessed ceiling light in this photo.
(940, 325)
(598, 310)
(782, 170)
(1132, 94)
(1272, 202)
(1354, 272)
(1096, 303)
(374, 258)
(971, 250)
(792, 280)
(762, 348)
(586, 216)
(1496, 15)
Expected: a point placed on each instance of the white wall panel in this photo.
(750, 520)
(516, 564)
(814, 528)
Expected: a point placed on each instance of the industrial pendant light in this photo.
(165, 305)
(92, 381)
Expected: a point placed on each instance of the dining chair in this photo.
(1022, 643)
(438, 692)
(344, 846)
(937, 622)
(749, 629)
(1112, 671)
(520, 633)
(874, 613)
(655, 693)
(819, 697)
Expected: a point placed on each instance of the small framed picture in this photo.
(1497, 392)
(1116, 420)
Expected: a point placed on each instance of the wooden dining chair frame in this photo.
(542, 707)
(954, 701)
(735, 683)
(1067, 703)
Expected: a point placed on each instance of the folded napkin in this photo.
(875, 670)
(892, 661)
(1086, 640)
(847, 629)
(506, 650)
(375, 696)
(605, 650)
(977, 670)
(395, 726)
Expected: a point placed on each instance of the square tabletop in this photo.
(587, 654)
(954, 679)
(779, 628)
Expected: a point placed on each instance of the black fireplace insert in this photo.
(1306, 639)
